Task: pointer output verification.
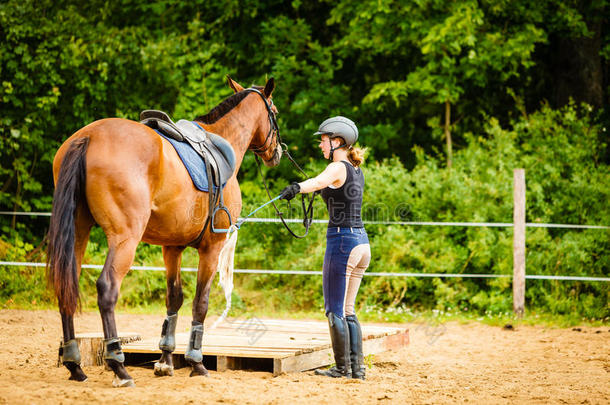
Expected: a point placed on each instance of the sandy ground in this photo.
(443, 364)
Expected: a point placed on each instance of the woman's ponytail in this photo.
(356, 155)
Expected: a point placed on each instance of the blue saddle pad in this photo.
(192, 161)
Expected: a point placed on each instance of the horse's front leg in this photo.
(172, 256)
(208, 260)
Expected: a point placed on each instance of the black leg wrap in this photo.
(339, 336)
(168, 333)
(193, 351)
(69, 352)
(113, 350)
(69, 356)
(356, 355)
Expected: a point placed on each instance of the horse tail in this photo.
(62, 273)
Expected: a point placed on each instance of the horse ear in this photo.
(234, 85)
(269, 87)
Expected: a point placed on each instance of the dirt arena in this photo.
(443, 364)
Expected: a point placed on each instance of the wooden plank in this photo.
(379, 345)
(519, 242)
(91, 346)
(222, 363)
(303, 362)
(270, 345)
(297, 327)
(324, 357)
(240, 344)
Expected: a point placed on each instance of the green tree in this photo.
(458, 47)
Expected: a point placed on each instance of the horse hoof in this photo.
(199, 374)
(199, 370)
(120, 383)
(163, 369)
(76, 373)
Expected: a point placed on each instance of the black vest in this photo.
(345, 203)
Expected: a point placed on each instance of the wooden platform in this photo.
(278, 346)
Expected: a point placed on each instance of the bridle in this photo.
(274, 132)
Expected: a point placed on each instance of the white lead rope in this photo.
(226, 264)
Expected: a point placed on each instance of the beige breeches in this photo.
(357, 263)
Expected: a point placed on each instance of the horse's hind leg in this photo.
(121, 251)
(69, 352)
(172, 256)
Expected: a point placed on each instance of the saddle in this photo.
(211, 147)
(216, 152)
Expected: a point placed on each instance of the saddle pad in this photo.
(192, 161)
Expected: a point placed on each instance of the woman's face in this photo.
(325, 145)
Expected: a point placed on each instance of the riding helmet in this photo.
(339, 127)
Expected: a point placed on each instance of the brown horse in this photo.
(129, 180)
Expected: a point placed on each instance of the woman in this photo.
(348, 251)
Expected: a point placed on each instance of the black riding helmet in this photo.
(339, 127)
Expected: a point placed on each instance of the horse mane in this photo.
(223, 108)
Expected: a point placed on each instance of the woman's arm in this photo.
(334, 173)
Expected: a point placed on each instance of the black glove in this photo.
(289, 192)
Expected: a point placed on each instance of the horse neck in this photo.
(238, 126)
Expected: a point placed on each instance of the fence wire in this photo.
(405, 223)
(319, 273)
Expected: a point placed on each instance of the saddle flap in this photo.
(224, 147)
(219, 150)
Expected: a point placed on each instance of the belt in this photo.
(337, 229)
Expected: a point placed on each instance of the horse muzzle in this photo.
(275, 159)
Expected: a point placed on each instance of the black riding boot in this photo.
(356, 356)
(339, 336)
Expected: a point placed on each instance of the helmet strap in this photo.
(332, 150)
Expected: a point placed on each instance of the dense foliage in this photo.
(493, 77)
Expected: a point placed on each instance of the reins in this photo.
(307, 210)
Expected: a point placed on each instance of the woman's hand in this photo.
(289, 192)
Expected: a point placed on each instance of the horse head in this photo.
(265, 142)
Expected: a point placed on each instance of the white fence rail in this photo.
(319, 273)
(405, 223)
